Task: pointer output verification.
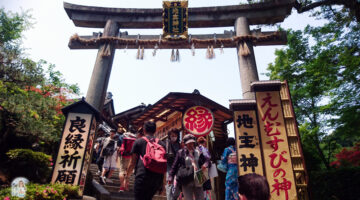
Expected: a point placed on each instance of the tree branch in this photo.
(306, 7)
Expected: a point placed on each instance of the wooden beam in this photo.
(268, 12)
(280, 40)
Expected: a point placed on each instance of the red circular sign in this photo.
(198, 120)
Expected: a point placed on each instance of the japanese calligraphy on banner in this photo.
(279, 171)
(69, 161)
(247, 142)
(175, 19)
(198, 120)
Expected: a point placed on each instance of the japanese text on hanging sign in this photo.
(175, 19)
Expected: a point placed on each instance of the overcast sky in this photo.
(135, 81)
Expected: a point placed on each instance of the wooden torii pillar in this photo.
(112, 19)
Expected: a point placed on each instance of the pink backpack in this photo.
(126, 147)
(154, 158)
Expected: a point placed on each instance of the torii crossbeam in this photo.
(114, 19)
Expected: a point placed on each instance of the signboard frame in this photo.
(175, 19)
(278, 163)
(245, 114)
(80, 118)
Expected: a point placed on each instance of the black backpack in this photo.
(109, 149)
(184, 174)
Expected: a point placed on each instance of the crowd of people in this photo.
(181, 169)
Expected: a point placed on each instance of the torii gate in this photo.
(113, 19)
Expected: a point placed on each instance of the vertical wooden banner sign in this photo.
(247, 137)
(71, 153)
(276, 152)
(74, 155)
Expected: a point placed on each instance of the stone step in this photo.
(127, 194)
(113, 188)
(115, 181)
(121, 198)
(159, 197)
(114, 176)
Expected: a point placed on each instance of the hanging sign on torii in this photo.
(175, 19)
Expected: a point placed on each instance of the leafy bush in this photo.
(348, 157)
(6, 192)
(35, 166)
(335, 184)
(44, 192)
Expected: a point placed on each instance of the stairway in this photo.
(114, 187)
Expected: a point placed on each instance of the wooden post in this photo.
(246, 59)
(101, 73)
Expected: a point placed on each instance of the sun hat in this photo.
(189, 138)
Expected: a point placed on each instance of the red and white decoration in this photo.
(198, 120)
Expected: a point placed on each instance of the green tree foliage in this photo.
(322, 67)
(12, 25)
(31, 98)
(352, 5)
